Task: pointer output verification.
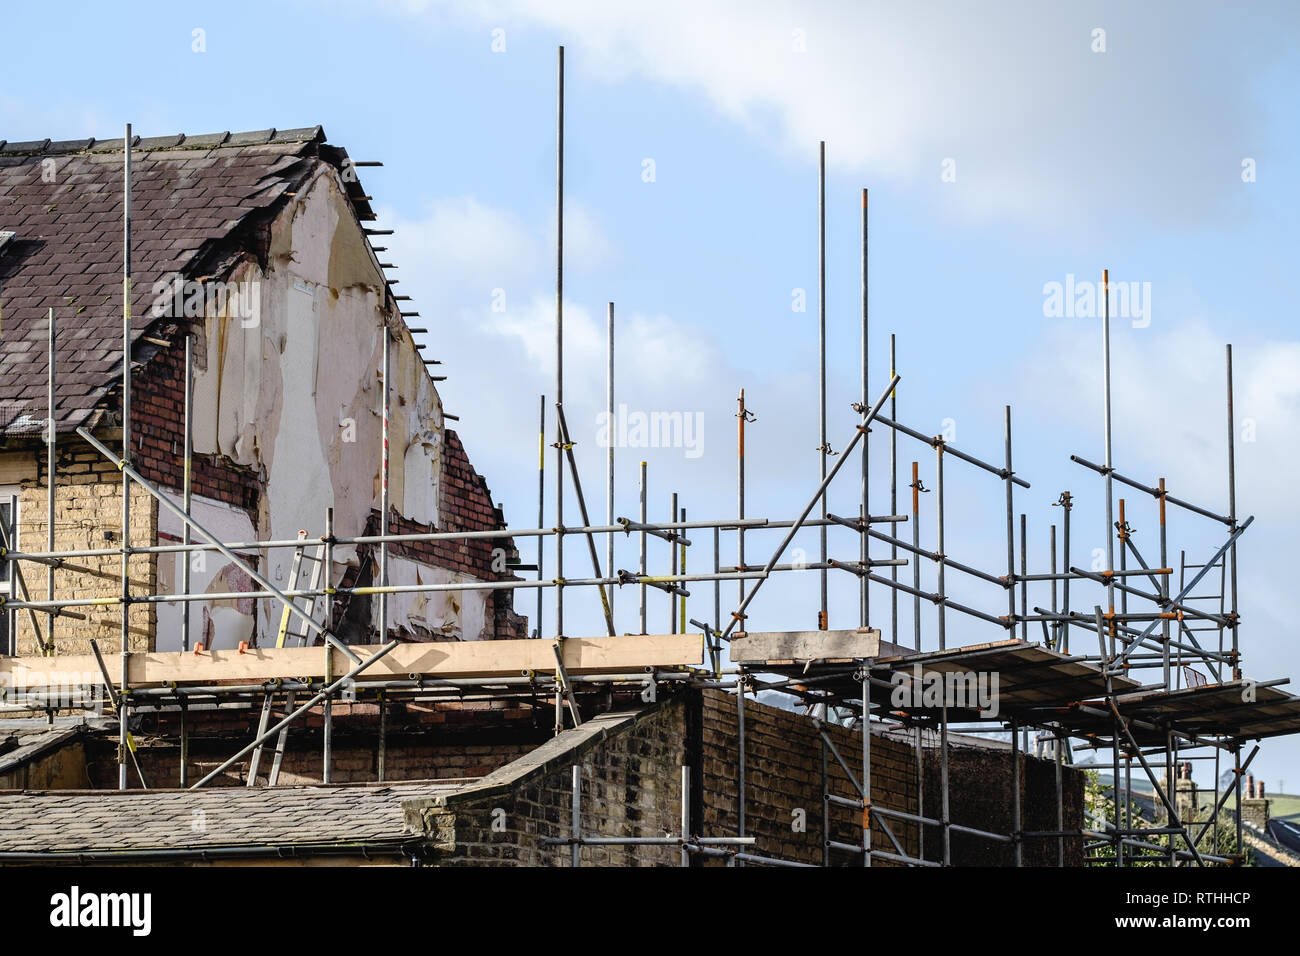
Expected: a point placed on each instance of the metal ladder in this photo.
(285, 634)
(1189, 676)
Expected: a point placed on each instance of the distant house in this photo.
(253, 245)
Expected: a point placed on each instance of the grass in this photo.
(1283, 806)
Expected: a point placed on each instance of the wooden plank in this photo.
(805, 645)
(453, 659)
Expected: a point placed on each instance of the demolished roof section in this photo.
(196, 201)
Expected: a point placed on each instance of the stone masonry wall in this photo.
(631, 787)
(87, 514)
(631, 768)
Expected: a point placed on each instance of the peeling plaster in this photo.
(437, 615)
(297, 397)
(220, 624)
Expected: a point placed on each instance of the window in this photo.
(9, 523)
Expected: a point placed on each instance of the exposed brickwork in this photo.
(465, 504)
(84, 512)
(158, 427)
(424, 742)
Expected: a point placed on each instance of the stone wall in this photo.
(632, 787)
(87, 515)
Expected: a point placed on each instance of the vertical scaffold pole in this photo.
(1024, 570)
(642, 564)
(822, 448)
(559, 350)
(541, 500)
(686, 813)
(916, 556)
(187, 489)
(1011, 529)
(609, 461)
(942, 558)
(1164, 593)
(1232, 517)
(864, 594)
(672, 561)
(123, 713)
(1110, 498)
(742, 415)
(866, 765)
(50, 462)
(383, 485)
(327, 578)
(893, 496)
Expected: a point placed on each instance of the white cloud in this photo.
(463, 245)
(1169, 407)
(1043, 129)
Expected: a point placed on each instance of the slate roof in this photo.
(193, 200)
(89, 822)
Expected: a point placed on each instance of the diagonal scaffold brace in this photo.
(213, 540)
(325, 694)
(739, 614)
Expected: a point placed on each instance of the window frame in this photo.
(9, 494)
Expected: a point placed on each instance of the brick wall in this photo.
(424, 742)
(87, 505)
(88, 492)
(158, 427)
(979, 795)
(465, 504)
(783, 773)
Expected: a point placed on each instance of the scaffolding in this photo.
(1094, 695)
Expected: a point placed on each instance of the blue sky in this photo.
(1068, 160)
